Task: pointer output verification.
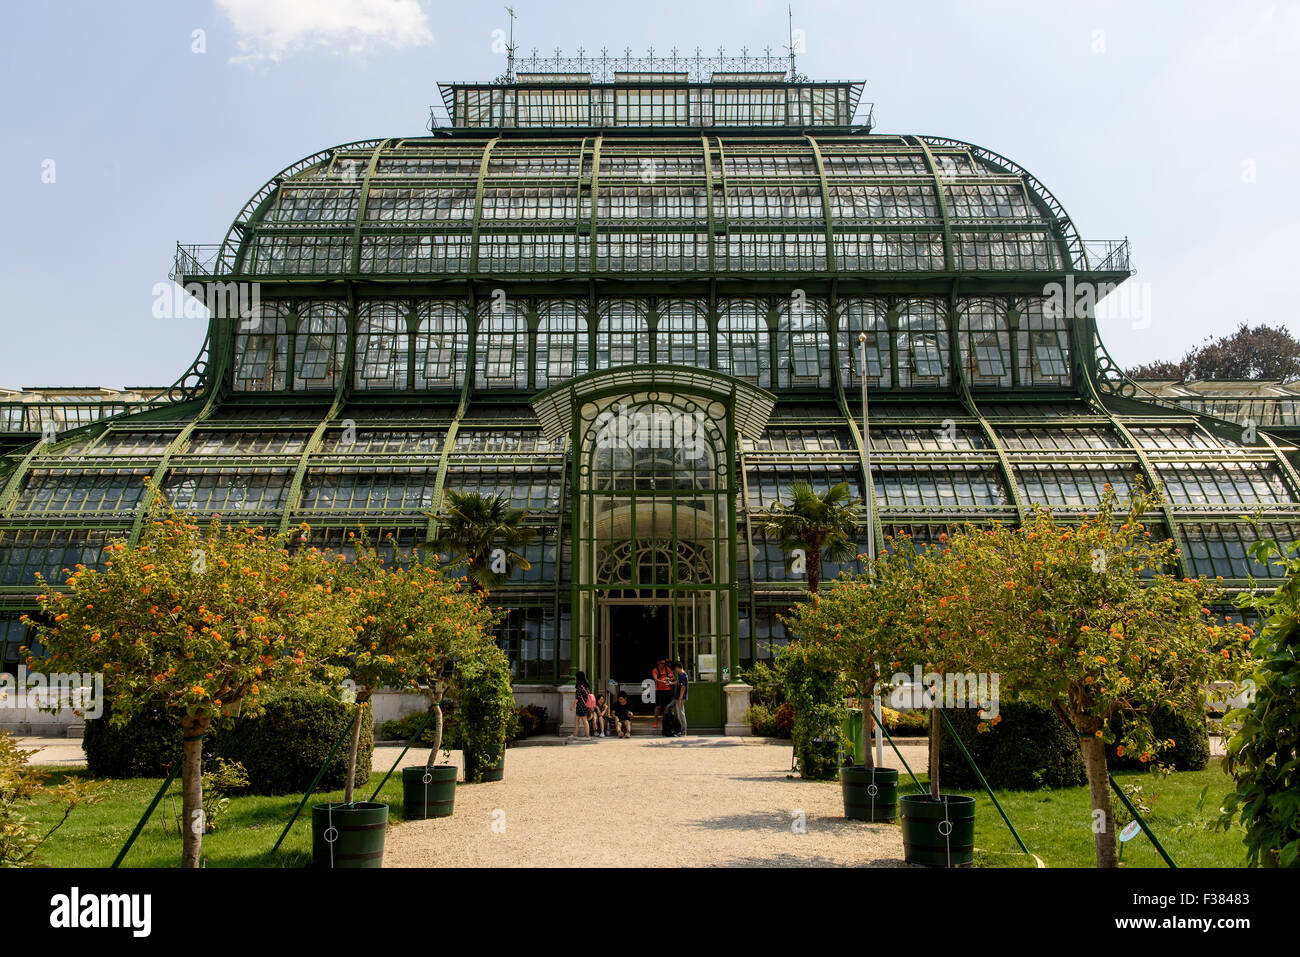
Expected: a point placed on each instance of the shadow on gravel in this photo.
(792, 860)
(781, 820)
(695, 743)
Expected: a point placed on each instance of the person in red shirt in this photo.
(663, 678)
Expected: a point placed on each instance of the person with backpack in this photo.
(681, 691)
(584, 705)
(663, 679)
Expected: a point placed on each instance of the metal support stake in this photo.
(418, 732)
(171, 776)
(871, 519)
(347, 728)
(974, 767)
(1141, 823)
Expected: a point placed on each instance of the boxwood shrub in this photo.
(284, 747)
(1029, 748)
(281, 750)
(1191, 750)
(144, 748)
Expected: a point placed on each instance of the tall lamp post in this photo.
(871, 530)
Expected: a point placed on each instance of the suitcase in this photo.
(671, 725)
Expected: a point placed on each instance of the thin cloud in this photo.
(271, 30)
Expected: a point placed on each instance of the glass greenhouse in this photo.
(632, 302)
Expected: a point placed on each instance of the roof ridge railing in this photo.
(195, 259)
(1105, 255)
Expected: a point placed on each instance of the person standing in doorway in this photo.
(681, 692)
(583, 706)
(663, 678)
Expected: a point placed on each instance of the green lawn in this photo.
(1057, 825)
(93, 835)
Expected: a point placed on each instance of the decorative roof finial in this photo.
(510, 48)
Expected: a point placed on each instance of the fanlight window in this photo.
(923, 344)
(624, 335)
(381, 346)
(743, 340)
(683, 334)
(985, 342)
(927, 359)
(441, 345)
(261, 350)
(503, 345)
(561, 342)
(321, 341)
(869, 317)
(1049, 353)
(1044, 341)
(803, 344)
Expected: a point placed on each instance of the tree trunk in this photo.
(352, 753)
(1094, 760)
(814, 559)
(934, 751)
(193, 822)
(868, 726)
(437, 734)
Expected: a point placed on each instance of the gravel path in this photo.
(640, 802)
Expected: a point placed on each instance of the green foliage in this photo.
(1190, 750)
(280, 749)
(905, 723)
(283, 748)
(1263, 756)
(816, 695)
(822, 526)
(471, 526)
(401, 729)
(485, 706)
(766, 680)
(142, 747)
(22, 790)
(224, 780)
(201, 620)
(1029, 747)
(530, 719)
(762, 722)
(1265, 353)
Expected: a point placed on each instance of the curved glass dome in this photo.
(625, 203)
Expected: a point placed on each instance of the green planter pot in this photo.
(870, 794)
(491, 772)
(938, 833)
(348, 835)
(428, 792)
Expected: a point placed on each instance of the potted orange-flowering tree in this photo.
(204, 620)
(1085, 619)
(862, 627)
(408, 624)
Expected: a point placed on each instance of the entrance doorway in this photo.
(638, 638)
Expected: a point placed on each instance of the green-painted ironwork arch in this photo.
(554, 407)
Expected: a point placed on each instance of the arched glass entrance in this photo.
(653, 491)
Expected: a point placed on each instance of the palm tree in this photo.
(821, 525)
(471, 527)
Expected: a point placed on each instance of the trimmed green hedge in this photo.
(1191, 751)
(281, 749)
(144, 748)
(1029, 748)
